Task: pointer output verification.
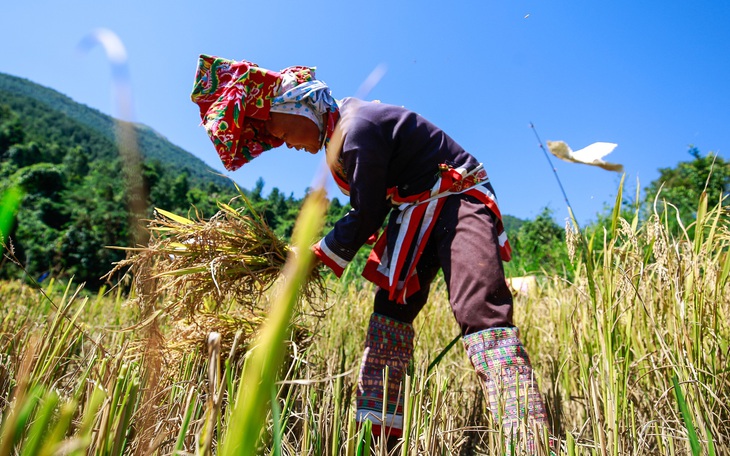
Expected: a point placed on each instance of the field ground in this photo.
(631, 357)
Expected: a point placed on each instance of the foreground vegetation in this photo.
(631, 353)
(628, 328)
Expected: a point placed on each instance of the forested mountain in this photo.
(51, 116)
(63, 157)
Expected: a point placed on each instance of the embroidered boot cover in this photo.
(502, 363)
(389, 343)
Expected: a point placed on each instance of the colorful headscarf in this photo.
(235, 99)
(311, 99)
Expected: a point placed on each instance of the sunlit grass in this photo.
(642, 369)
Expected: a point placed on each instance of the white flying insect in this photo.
(589, 155)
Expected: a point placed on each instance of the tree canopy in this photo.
(63, 159)
(677, 190)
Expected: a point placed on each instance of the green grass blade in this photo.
(443, 353)
(13, 425)
(174, 217)
(617, 207)
(337, 408)
(694, 441)
(276, 416)
(37, 433)
(266, 356)
(55, 438)
(87, 422)
(700, 222)
(180, 443)
(710, 444)
(363, 439)
(570, 443)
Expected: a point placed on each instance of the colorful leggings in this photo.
(464, 245)
(502, 363)
(388, 343)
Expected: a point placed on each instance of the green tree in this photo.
(205, 200)
(256, 194)
(11, 130)
(180, 189)
(538, 246)
(75, 205)
(335, 211)
(35, 242)
(41, 179)
(511, 224)
(40, 218)
(682, 186)
(22, 155)
(98, 218)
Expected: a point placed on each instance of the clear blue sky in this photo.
(651, 76)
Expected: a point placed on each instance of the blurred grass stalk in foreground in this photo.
(9, 202)
(265, 358)
(126, 133)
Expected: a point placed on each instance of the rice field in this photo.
(631, 357)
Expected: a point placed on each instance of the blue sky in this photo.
(651, 76)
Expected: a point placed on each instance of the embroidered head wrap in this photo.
(236, 98)
(311, 99)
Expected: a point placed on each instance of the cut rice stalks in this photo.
(193, 266)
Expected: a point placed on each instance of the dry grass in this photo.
(200, 276)
(641, 369)
(193, 264)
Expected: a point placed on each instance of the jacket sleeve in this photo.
(366, 155)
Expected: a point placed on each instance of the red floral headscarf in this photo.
(235, 100)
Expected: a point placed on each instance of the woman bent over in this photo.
(441, 213)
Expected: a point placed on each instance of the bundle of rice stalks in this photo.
(192, 333)
(192, 265)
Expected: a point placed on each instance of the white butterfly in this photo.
(589, 155)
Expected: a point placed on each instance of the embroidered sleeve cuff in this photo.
(331, 256)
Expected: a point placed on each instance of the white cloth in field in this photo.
(589, 155)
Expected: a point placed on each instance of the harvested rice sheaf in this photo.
(193, 268)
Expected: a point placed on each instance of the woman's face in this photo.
(297, 132)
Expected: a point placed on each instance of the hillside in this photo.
(62, 157)
(37, 104)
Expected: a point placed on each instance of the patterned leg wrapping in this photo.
(389, 343)
(501, 361)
